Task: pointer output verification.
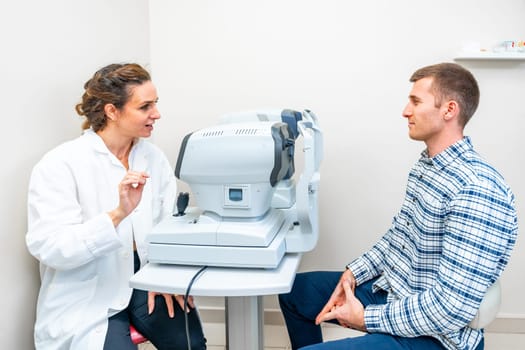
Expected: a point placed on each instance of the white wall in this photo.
(349, 62)
(49, 49)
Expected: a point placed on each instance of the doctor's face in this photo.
(137, 116)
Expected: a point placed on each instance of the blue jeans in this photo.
(162, 331)
(309, 294)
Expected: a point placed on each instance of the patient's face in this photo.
(425, 120)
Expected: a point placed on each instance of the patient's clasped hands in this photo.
(343, 305)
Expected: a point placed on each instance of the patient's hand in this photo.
(338, 296)
(343, 305)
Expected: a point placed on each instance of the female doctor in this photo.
(91, 202)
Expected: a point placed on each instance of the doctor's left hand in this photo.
(168, 298)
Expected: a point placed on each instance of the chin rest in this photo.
(489, 307)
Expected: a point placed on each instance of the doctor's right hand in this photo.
(130, 192)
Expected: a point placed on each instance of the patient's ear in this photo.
(451, 110)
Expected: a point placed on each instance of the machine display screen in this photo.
(235, 194)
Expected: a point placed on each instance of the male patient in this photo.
(422, 283)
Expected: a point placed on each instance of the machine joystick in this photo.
(182, 203)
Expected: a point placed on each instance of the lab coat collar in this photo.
(137, 155)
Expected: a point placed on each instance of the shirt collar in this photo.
(447, 156)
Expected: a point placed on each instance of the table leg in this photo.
(244, 323)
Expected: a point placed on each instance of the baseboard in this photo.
(272, 317)
(504, 323)
(507, 324)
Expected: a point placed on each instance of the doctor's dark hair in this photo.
(452, 82)
(111, 84)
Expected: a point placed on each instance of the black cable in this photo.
(186, 304)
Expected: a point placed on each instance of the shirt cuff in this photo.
(373, 318)
(359, 270)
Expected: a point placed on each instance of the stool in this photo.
(489, 307)
(136, 337)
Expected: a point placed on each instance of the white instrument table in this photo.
(242, 287)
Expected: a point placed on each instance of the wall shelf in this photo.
(482, 55)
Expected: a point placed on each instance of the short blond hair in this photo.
(452, 81)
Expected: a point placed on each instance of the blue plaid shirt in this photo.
(449, 242)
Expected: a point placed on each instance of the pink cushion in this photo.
(136, 337)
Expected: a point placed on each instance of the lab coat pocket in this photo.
(63, 306)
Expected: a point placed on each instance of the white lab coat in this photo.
(85, 262)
